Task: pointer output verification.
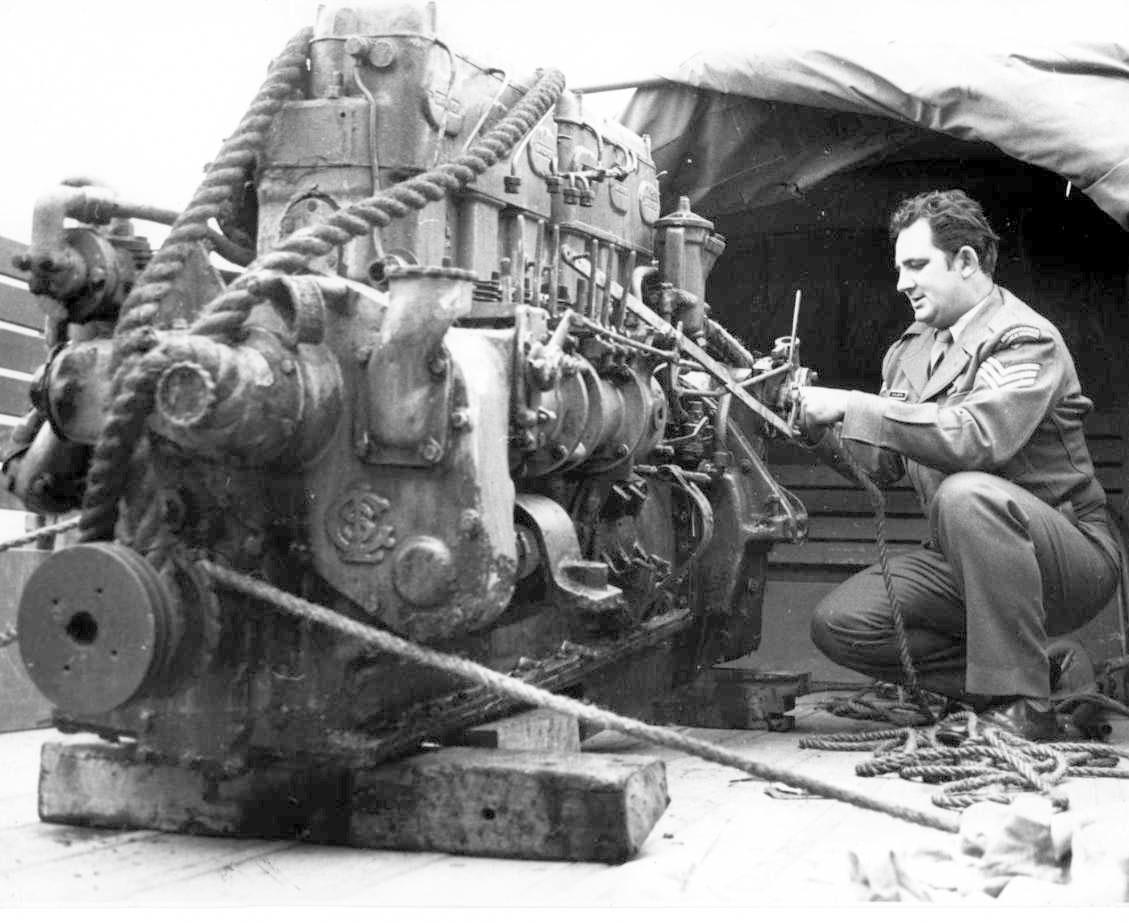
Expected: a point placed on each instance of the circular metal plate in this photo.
(92, 627)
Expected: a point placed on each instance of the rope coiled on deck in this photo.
(975, 761)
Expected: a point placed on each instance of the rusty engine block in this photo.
(503, 424)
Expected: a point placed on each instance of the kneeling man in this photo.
(981, 407)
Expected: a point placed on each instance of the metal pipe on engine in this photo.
(593, 261)
(612, 259)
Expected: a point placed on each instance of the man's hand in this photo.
(821, 407)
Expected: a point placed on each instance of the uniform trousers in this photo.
(1002, 571)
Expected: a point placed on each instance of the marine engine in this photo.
(465, 386)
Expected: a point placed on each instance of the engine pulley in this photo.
(97, 627)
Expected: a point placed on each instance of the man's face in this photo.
(937, 291)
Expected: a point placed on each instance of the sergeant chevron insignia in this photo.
(996, 374)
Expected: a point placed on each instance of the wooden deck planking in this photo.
(112, 867)
(722, 841)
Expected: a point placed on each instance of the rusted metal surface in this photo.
(494, 425)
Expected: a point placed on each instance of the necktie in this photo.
(941, 342)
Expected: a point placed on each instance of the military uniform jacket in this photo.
(1005, 400)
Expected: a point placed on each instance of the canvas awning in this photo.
(754, 125)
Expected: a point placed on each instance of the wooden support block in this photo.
(575, 806)
(538, 729)
(105, 785)
(733, 697)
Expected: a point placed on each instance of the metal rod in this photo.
(643, 83)
(732, 342)
(764, 376)
(539, 262)
(554, 267)
(795, 326)
(620, 312)
(495, 103)
(715, 368)
(606, 304)
(519, 257)
(625, 340)
(593, 263)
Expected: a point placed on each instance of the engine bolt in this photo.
(173, 511)
(470, 523)
(437, 365)
(381, 53)
(356, 46)
(430, 451)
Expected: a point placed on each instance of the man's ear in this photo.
(967, 262)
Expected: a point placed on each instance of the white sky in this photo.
(139, 94)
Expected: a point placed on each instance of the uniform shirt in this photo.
(1005, 400)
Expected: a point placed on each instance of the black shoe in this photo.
(1022, 719)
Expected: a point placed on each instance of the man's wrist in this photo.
(865, 417)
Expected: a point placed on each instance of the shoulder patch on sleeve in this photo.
(1021, 334)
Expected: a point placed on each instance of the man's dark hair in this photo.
(957, 220)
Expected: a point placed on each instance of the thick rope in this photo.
(1003, 764)
(225, 316)
(901, 638)
(225, 174)
(10, 635)
(975, 761)
(887, 702)
(28, 538)
(134, 336)
(532, 695)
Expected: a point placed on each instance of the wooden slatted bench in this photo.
(21, 345)
(841, 541)
(22, 351)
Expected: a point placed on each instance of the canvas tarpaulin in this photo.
(751, 126)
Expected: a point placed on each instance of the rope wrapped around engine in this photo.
(139, 359)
